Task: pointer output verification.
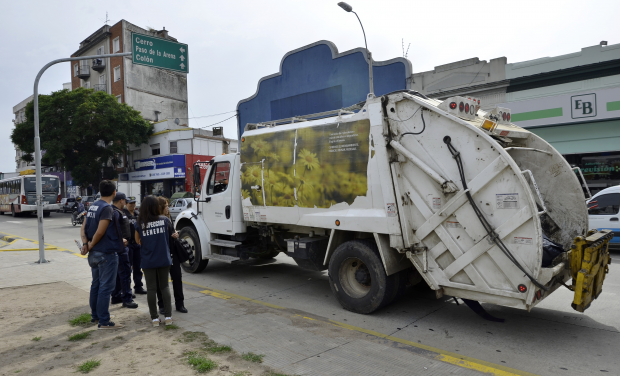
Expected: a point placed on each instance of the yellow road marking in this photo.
(227, 295)
(445, 356)
(28, 249)
(442, 355)
(48, 247)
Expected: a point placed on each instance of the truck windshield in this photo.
(49, 184)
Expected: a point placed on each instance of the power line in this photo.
(210, 125)
(212, 115)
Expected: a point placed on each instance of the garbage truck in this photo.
(398, 190)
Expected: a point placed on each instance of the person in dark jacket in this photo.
(134, 248)
(152, 233)
(102, 243)
(175, 269)
(122, 291)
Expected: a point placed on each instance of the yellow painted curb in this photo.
(442, 355)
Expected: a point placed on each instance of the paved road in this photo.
(552, 339)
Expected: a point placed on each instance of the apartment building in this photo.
(157, 93)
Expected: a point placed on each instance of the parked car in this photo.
(66, 204)
(604, 212)
(178, 205)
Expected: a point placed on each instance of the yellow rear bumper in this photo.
(589, 262)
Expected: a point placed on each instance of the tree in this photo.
(82, 131)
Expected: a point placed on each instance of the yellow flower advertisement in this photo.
(309, 167)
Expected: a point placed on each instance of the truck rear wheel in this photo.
(357, 277)
(190, 235)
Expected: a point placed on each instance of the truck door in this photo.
(218, 191)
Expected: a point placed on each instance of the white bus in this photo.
(18, 195)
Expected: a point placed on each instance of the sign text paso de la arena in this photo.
(159, 53)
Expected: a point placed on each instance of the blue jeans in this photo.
(104, 267)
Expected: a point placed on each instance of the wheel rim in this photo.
(189, 239)
(355, 277)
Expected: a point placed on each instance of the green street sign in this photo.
(159, 53)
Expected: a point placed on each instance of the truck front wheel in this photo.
(357, 277)
(189, 234)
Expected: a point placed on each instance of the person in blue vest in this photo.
(102, 241)
(153, 236)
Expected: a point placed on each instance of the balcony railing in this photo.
(98, 64)
(100, 87)
(83, 71)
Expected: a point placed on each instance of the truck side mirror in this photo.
(196, 177)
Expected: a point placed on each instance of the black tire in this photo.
(357, 277)
(47, 214)
(189, 233)
(15, 215)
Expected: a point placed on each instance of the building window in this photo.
(75, 70)
(173, 147)
(155, 149)
(116, 44)
(135, 155)
(119, 99)
(86, 84)
(100, 50)
(117, 73)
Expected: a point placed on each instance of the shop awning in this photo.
(582, 138)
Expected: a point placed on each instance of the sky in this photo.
(235, 43)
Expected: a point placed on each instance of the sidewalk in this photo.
(292, 342)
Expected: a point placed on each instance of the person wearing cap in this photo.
(122, 290)
(134, 248)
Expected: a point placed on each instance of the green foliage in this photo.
(200, 363)
(81, 131)
(251, 357)
(80, 336)
(36, 339)
(172, 327)
(214, 347)
(82, 319)
(89, 365)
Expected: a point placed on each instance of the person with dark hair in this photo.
(175, 268)
(122, 291)
(152, 233)
(102, 241)
(134, 248)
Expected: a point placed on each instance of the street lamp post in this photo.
(37, 144)
(349, 8)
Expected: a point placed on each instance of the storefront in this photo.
(159, 176)
(583, 125)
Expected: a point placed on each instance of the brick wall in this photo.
(117, 87)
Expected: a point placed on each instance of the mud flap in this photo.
(589, 262)
(477, 307)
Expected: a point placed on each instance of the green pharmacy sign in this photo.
(159, 53)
